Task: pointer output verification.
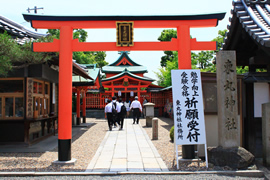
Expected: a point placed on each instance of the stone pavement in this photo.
(127, 150)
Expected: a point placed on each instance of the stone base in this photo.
(62, 163)
(235, 158)
(149, 121)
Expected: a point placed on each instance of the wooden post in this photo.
(78, 107)
(84, 105)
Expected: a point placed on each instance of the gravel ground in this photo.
(165, 146)
(84, 146)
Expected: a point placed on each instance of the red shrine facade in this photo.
(124, 79)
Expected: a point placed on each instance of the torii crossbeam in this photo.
(66, 45)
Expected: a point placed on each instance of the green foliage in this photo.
(13, 55)
(90, 57)
(164, 74)
(202, 60)
(242, 70)
(220, 38)
(167, 35)
(172, 134)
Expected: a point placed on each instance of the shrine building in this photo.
(124, 79)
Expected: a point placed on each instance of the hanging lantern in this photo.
(119, 93)
(131, 93)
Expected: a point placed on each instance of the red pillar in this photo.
(184, 56)
(78, 109)
(184, 50)
(65, 94)
(84, 106)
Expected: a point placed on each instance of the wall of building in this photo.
(261, 96)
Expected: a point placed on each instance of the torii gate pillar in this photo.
(65, 94)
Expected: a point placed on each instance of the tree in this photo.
(164, 74)
(167, 35)
(204, 60)
(89, 57)
(14, 56)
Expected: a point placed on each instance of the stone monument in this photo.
(228, 123)
(266, 133)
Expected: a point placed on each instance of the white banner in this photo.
(189, 125)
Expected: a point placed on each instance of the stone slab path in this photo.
(127, 150)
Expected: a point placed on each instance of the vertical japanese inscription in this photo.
(229, 100)
(189, 116)
(228, 128)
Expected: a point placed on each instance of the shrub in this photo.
(172, 134)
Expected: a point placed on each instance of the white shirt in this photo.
(136, 104)
(127, 105)
(108, 108)
(118, 107)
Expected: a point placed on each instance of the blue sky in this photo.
(14, 9)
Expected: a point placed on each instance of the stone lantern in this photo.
(149, 113)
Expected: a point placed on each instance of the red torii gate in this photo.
(66, 45)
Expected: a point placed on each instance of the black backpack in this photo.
(114, 111)
(123, 110)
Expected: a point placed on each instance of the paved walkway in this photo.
(128, 150)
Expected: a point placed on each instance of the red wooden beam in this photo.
(112, 24)
(111, 46)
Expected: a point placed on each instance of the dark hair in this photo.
(127, 100)
(108, 100)
(120, 100)
(114, 98)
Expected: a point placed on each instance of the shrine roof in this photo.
(92, 72)
(126, 72)
(30, 17)
(131, 66)
(119, 69)
(21, 33)
(249, 30)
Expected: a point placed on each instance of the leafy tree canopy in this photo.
(90, 57)
(202, 60)
(13, 55)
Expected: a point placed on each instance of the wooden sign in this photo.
(124, 34)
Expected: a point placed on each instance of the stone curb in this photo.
(246, 173)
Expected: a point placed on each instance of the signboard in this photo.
(124, 34)
(189, 125)
(188, 107)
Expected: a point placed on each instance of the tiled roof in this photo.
(21, 33)
(126, 72)
(131, 66)
(119, 69)
(254, 17)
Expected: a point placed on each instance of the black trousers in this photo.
(110, 120)
(121, 120)
(136, 115)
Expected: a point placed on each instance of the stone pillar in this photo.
(155, 129)
(266, 133)
(228, 125)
